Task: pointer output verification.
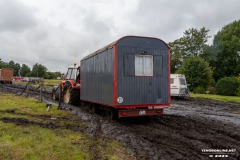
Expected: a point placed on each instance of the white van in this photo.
(179, 86)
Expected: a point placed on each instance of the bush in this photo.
(199, 90)
(197, 72)
(212, 82)
(210, 90)
(227, 86)
(238, 90)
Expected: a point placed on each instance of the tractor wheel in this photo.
(71, 95)
(55, 93)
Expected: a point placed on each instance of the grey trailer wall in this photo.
(97, 78)
(142, 89)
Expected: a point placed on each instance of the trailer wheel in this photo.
(112, 114)
(71, 95)
(93, 109)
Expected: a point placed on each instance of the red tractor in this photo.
(68, 90)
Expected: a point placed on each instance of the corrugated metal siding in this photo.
(97, 78)
(142, 90)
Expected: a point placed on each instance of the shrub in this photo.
(199, 89)
(238, 90)
(211, 90)
(227, 86)
(212, 82)
(197, 72)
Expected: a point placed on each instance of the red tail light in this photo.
(159, 111)
(124, 114)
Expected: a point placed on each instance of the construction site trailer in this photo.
(130, 75)
(6, 75)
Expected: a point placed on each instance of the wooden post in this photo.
(60, 97)
(27, 89)
(41, 88)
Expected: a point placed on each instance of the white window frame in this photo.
(143, 65)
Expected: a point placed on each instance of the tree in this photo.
(177, 55)
(38, 70)
(52, 75)
(192, 43)
(1, 64)
(25, 71)
(226, 45)
(15, 66)
(57, 74)
(197, 72)
(208, 55)
(195, 41)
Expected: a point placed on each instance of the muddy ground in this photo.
(187, 127)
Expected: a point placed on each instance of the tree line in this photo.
(207, 66)
(38, 70)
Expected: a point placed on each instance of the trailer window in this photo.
(143, 65)
(172, 80)
(182, 81)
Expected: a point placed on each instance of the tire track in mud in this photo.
(172, 136)
(50, 125)
(179, 138)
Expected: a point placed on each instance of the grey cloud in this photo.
(93, 23)
(170, 18)
(64, 35)
(14, 16)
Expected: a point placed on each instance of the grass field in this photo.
(28, 131)
(53, 82)
(217, 97)
(48, 83)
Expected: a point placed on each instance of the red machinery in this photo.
(68, 90)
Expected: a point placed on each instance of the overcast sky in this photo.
(57, 33)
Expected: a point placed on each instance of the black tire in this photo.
(93, 109)
(71, 95)
(112, 114)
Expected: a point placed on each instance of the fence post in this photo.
(41, 87)
(27, 89)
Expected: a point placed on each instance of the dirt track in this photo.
(187, 127)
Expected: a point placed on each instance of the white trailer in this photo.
(179, 86)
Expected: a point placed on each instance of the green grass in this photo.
(53, 82)
(33, 141)
(48, 83)
(217, 97)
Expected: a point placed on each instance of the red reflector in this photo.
(158, 111)
(124, 114)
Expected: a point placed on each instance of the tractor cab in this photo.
(68, 90)
(73, 73)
